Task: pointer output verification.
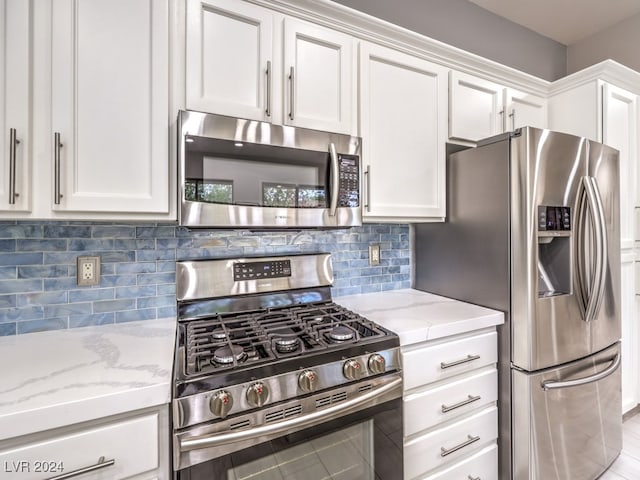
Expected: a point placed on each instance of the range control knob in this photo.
(257, 394)
(221, 403)
(307, 381)
(377, 364)
(352, 369)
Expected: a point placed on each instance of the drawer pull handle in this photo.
(444, 452)
(473, 478)
(469, 358)
(470, 399)
(102, 463)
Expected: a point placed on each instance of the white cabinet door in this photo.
(403, 105)
(15, 105)
(318, 68)
(475, 107)
(229, 58)
(110, 105)
(524, 110)
(620, 131)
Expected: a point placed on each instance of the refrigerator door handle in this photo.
(590, 291)
(553, 384)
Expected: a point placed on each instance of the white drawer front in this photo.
(441, 360)
(450, 443)
(482, 465)
(131, 443)
(426, 408)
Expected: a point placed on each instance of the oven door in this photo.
(359, 438)
(241, 173)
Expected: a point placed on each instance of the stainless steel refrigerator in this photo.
(532, 229)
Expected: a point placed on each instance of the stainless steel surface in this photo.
(367, 178)
(377, 364)
(202, 214)
(220, 404)
(467, 359)
(268, 102)
(214, 278)
(469, 399)
(610, 370)
(567, 433)
(307, 381)
(57, 145)
(213, 440)
(102, 463)
(335, 180)
(257, 394)
(292, 93)
(491, 252)
(195, 409)
(448, 451)
(13, 143)
(352, 369)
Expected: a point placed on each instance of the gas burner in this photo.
(341, 333)
(227, 354)
(287, 344)
(218, 335)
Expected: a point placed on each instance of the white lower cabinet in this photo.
(131, 446)
(450, 407)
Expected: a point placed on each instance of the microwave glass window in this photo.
(312, 197)
(277, 195)
(209, 191)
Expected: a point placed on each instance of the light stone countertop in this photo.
(58, 378)
(417, 316)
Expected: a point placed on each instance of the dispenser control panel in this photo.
(554, 218)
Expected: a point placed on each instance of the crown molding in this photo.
(609, 71)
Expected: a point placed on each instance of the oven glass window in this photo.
(344, 454)
(255, 175)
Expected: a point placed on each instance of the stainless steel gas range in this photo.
(274, 380)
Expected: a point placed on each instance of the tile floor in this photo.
(627, 465)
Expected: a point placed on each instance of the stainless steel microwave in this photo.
(236, 173)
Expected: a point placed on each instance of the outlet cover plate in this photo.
(374, 254)
(88, 271)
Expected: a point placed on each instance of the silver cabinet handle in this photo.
(13, 143)
(469, 358)
(470, 399)
(512, 116)
(553, 384)
(268, 103)
(444, 452)
(503, 124)
(335, 180)
(57, 145)
(102, 463)
(473, 478)
(292, 93)
(367, 178)
(368, 399)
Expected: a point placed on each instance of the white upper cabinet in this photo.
(475, 107)
(246, 61)
(318, 67)
(109, 105)
(229, 61)
(15, 105)
(403, 124)
(523, 110)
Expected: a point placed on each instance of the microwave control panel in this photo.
(349, 191)
(554, 218)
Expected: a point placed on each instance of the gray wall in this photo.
(464, 25)
(619, 42)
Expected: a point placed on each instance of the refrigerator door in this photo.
(547, 171)
(604, 170)
(567, 422)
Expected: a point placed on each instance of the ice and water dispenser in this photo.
(554, 251)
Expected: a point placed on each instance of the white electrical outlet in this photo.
(88, 271)
(374, 254)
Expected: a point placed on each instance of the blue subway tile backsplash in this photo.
(38, 289)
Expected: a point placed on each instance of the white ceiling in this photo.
(565, 21)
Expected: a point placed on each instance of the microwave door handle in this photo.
(334, 180)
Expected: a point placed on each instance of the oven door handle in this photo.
(342, 408)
